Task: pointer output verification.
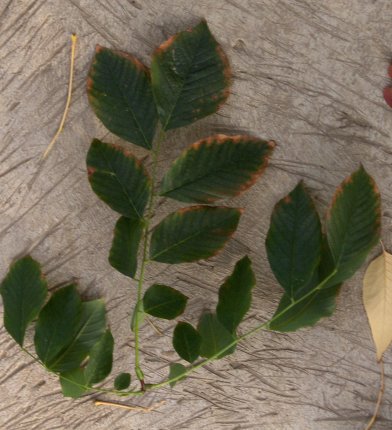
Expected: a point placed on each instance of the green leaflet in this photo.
(119, 91)
(89, 330)
(77, 381)
(215, 168)
(100, 360)
(67, 329)
(193, 233)
(294, 248)
(125, 245)
(24, 292)
(165, 302)
(118, 178)
(235, 295)
(57, 323)
(186, 342)
(122, 381)
(191, 77)
(214, 337)
(294, 241)
(73, 383)
(176, 370)
(353, 224)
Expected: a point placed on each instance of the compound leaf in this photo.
(294, 241)
(24, 292)
(215, 168)
(165, 302)
(122, 381)
(193, 233)
(186, 341)
(377, 298)
(235, 295)
(119, 91)
(125, 245)
(118, 178)
(214, 337)
(100, 360)
(353, 224)
(191, 77)
(176, 370)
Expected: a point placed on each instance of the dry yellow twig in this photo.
(68, 102)
(128, 407)
(380, 394)
(157, 330)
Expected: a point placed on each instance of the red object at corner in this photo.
(388, 95)
(387, 92)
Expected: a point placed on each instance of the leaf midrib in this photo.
(163, 304)
(112, 172)
(139, 127)
(296, 209)
(352, 210)
(198, 178)
(183, 81)
(74, 340)
(301, 310)
(188, 238)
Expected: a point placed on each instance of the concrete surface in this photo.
(308, 74)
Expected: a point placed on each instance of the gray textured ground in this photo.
(309, 75)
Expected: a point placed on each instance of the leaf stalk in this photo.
(145, 259)
(249, 333)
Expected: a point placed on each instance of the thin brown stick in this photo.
(128, 407)
(380, 394)
(68, 102)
